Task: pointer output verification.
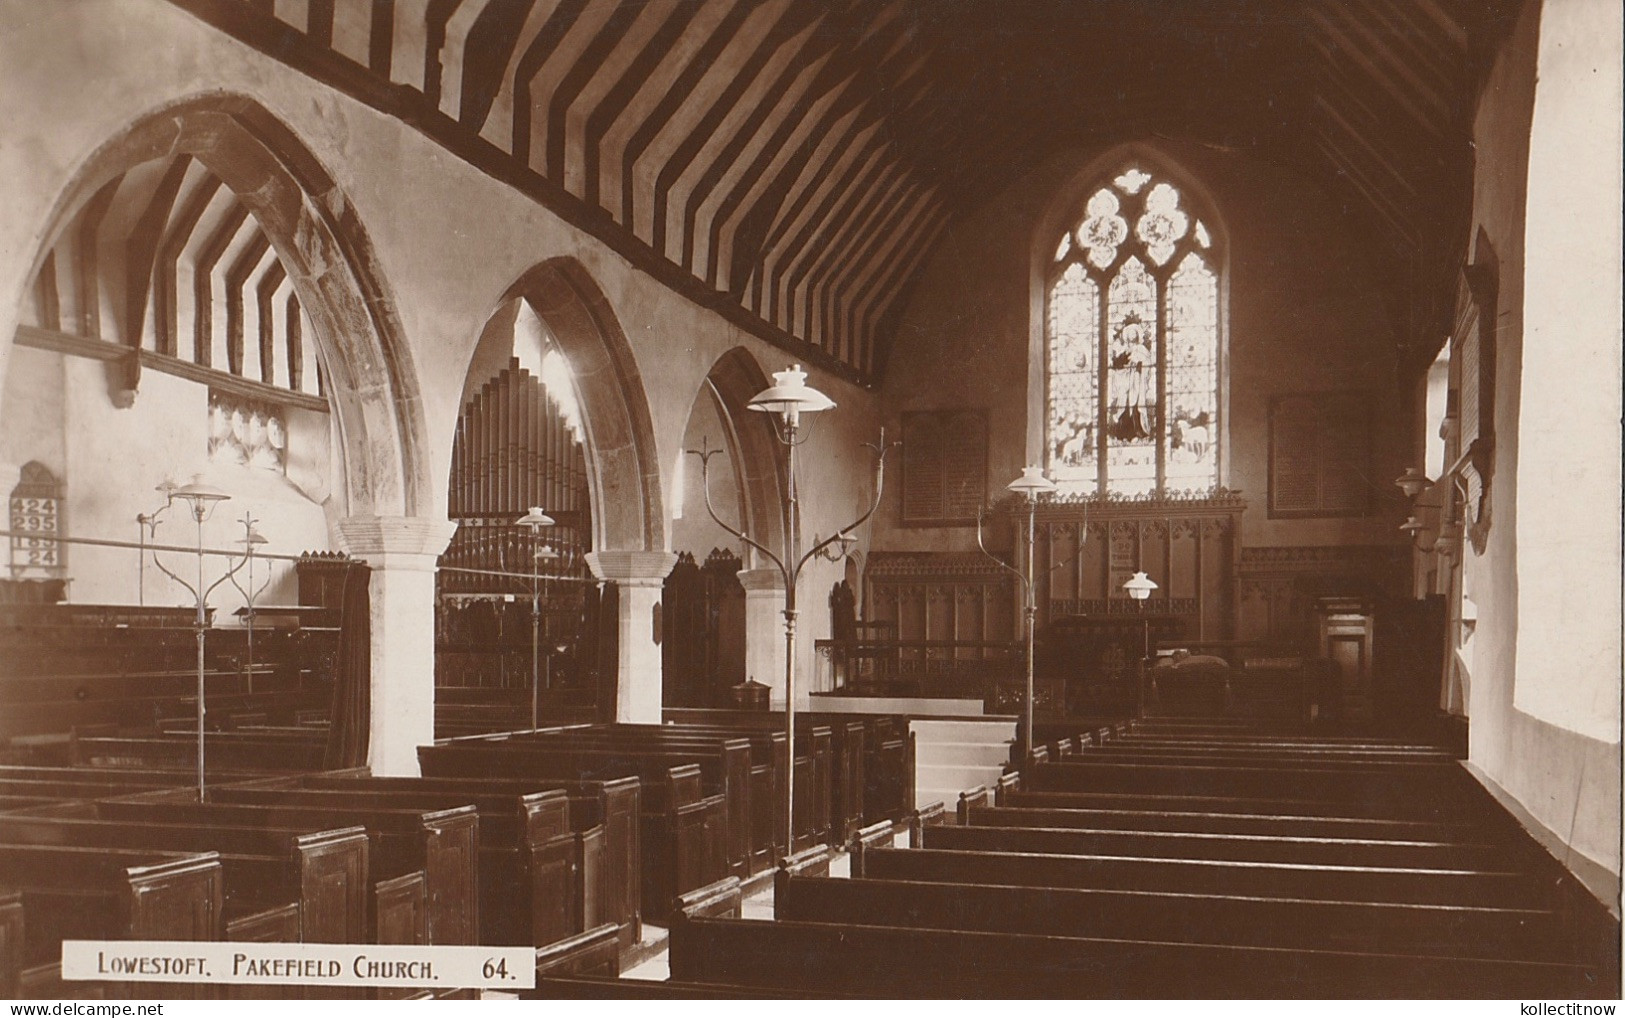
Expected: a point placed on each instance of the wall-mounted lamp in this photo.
(1438, 537)
(1413, 482)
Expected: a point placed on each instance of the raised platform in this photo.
(914, 706)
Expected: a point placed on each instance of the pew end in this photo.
(594, 952)
(876, 835)
(813, 862)
(1007, 783)
(978, 796)
(720, 900)
(929, 815)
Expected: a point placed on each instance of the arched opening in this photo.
(704, 634)
(554, 417)
(207, 305)
(622, 469)
(129, 228)
(516, 607)
(1127, 376)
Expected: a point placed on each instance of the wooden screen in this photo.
(703, 631)
(514, 450)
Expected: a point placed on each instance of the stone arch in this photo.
(736, 377)
(622, 463)
(372, 386)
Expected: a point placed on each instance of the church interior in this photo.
(816, 498)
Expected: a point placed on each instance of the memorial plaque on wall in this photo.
(944, 467)
(1320, 454)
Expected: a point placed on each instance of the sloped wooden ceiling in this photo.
(791, 162)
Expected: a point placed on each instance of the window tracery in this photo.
(1133, 345)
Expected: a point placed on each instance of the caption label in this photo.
(398, 965)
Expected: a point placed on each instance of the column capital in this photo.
(410, 542)
(632, 568)
(760, 581)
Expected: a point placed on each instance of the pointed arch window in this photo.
(1133, 343)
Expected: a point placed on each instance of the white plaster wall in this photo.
(1570, 457)
(31, 428)
(115, 459)
(1568, 782)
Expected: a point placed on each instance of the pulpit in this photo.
(1347, 627)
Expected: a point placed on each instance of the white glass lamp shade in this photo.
(200, 493)
(1032, 483)
(254, 536)
(200, 498)
(1140, 586)
(1412, 482)
(546, 553)
(1413, 526)
(535, 518)
(790, 396)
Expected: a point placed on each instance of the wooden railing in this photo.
(989, 670)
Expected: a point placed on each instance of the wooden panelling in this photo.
(940, 596)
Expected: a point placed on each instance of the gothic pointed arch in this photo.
(622, 465)
(1127, 386)
(370, 381)
(735, 378)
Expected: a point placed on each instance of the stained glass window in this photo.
(1132, 399)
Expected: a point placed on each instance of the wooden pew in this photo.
(680, 828)
(1315, 851)
(220, 747)
(1195, 822)
(1243, 805)
(815, 765)
(613, 807)
(1426, 789)
(529, 864)
(1490, 888)
(603, 819)
(729, 765)
(1442, 931)
(74, 893)
(850, 738)
(323, 872)
(896, 962)
(442, 844)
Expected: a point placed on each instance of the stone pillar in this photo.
(764, 629)
(638, 575)
(402, 551)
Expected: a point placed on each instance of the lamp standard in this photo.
(251, 539)
(535, 519)
(201, 500)
(1030, 485)
(786, 400)
(1139, 587)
